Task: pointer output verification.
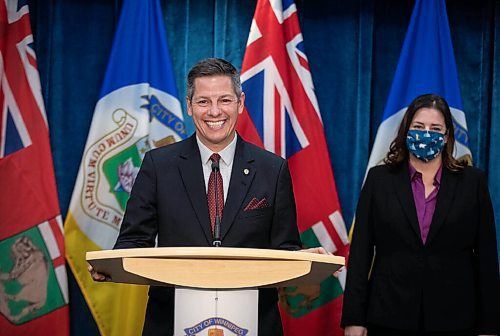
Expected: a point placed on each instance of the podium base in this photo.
(215, 312)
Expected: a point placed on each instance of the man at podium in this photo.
(212, 188)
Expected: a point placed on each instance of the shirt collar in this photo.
(437, 178)
(412, 171)
(226, 155)
(415, 174)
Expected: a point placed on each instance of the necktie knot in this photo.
(215, 157)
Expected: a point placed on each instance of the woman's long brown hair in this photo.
(398, 151)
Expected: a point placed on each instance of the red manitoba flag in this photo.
(282, 115)
(33, 282)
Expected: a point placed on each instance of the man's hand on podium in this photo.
(317, 250)
(96, 276)
(355, 331)
(321, 250)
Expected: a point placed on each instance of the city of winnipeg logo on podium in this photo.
(215, 326)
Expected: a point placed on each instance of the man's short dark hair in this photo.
(213, 67)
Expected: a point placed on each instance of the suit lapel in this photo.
(405, 196)
(445, 198)
(191, 171)
(242, 176)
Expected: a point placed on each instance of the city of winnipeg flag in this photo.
(282, 116)
(426, 65)
(33, 282)
(137, 110)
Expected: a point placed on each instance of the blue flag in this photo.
(138, 109)
(426, 65)
(140, 58)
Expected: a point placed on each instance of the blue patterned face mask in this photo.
(425, 145)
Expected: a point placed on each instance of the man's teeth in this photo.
(215, 124)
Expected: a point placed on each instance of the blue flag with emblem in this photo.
(138, 109)
(426, 65)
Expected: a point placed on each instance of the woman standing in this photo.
(423, 258)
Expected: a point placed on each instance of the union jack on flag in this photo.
(33, 282)
(267, 95)
(282, 115)
(17, 52)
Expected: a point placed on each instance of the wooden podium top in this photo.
(214, 267)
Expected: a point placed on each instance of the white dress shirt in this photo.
(225, 163)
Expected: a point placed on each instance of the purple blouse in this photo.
(425, 206)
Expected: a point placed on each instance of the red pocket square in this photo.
(256, 204)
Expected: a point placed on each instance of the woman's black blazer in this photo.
(449, 283)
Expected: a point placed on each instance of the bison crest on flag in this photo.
(23, 289)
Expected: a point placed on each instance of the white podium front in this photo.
(215, 287)
(211, 312)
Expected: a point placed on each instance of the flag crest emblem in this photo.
(31, 275)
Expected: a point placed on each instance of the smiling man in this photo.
(173, 202)
(214, 100)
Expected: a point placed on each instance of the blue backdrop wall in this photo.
(352, 46)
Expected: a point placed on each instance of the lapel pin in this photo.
(246, 171)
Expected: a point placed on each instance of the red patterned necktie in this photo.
(215, 174)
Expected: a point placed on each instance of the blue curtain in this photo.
(353, 48)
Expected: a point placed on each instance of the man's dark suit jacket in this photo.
(169, 200)
(449, 283)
